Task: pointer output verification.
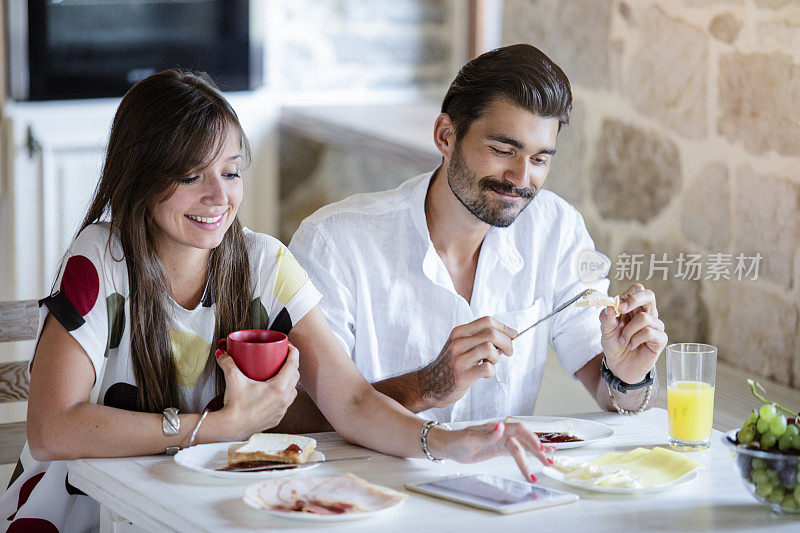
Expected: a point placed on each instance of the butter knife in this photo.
(555, 311)
(289, 466)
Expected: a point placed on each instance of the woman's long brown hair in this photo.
(167, 126)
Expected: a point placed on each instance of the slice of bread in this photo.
(274, 447)
(555, 425)
(596, 299)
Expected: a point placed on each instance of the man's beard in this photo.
(473, 193)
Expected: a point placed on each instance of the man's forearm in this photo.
(404, 389)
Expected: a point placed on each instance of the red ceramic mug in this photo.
(259, 353)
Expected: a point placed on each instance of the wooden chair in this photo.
(18, 322)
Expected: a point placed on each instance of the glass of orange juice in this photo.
(690, 394)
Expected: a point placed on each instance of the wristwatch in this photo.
(617, 384)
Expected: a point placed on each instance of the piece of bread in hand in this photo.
(596, 299)
(272, 447)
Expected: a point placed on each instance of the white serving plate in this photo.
(559, 476)
(207, 458)
(252, 501)
(588, 430)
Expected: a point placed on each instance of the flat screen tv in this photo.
(61, 49)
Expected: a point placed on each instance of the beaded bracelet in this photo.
(625, 412)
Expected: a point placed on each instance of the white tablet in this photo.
(492, 493)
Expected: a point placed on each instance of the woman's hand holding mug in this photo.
(257, 405)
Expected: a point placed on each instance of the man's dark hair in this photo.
(519, 73)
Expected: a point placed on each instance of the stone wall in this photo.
(314, 174)
(350, 47)
(685, 141)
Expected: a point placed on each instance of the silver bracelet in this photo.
(423, 438)
(625, 412)
(197, 427)
(170, 423)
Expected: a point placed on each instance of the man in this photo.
(427, 285)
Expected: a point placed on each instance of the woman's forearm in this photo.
(375, 421)
(90, 430)
(358, 412)
(62, 424)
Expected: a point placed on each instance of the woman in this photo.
(160, 270)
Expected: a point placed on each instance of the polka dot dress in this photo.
(91, 302)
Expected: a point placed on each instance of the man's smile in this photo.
(506, 191)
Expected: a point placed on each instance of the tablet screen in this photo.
(489, 488)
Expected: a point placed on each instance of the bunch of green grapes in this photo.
(776, 485)
(776, 478)
(770, 429)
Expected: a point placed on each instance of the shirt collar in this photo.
(498, 240)
(418, 195)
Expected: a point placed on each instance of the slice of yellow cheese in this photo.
(655, 467)
(615, 458)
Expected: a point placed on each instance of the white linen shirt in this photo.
(392, 304)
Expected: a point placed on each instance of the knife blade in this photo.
(554, 312)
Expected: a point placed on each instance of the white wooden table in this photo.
(156, 494)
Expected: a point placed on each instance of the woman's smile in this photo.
(209, 223)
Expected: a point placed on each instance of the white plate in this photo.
(311, 517)
(588, 430)
(560, 477)
(207, 458)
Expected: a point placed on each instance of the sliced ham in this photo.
(337, 495)
(355, 491)
(309, 507)
(263, 496)
(293, 489)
